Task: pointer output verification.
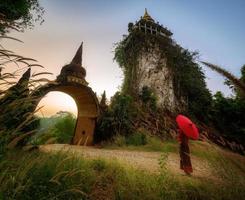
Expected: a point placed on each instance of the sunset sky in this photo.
(216, 28)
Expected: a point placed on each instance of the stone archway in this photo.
(72, 82)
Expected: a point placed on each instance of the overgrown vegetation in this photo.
(125, 117)
(148, 98)
(225, 116)
(228, 113)
(188, 76)
(228, 116)
(116, 118)
(131, 110)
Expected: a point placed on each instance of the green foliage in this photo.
(188, 78)
(40, 176)
(123, 111)
(130, 26)
(103, 103)
(117, 119)
(136, 139)
(56, 129)
(119, 140)
(64, 128)
(141, 141)
(228, 116)
(19, 15)
(239, 92)
(148, 97)
(243, 74)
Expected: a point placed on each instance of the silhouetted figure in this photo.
(185, 160)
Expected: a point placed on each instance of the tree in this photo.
(228, 113)
(103, 105)
(228, 116)
(19, 14)
(117, 118)
(243, 74)
(148, 97)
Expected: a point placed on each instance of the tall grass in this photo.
(239, 84)
(16, 121)
(64, 176)
(40, 176)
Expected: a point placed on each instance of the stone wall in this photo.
(153, 72)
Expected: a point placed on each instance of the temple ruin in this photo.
(71, 81)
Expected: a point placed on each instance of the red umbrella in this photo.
(187, 126)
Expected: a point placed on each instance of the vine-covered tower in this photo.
(143, 56)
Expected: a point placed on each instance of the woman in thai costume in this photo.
(184, 151)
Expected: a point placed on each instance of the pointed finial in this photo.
(78, 56)
(147, 17)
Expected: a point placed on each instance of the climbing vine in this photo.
(187, 75)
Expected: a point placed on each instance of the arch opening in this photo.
(57, 118)
(87, 109)
(54, 102)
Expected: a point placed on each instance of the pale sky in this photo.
(215, 28)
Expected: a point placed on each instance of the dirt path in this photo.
(143, 160)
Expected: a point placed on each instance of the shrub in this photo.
(119, 140)
(61, 130)
(228, 116)
(148, 97)
(136, 139)
(117, 119)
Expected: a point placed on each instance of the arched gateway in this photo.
(72, 81)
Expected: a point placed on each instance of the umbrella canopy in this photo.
(187, 126)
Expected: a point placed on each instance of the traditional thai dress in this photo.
(185, 160)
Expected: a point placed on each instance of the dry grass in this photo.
(237, 83)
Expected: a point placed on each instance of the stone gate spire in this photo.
(74, 72)
(77, 60)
